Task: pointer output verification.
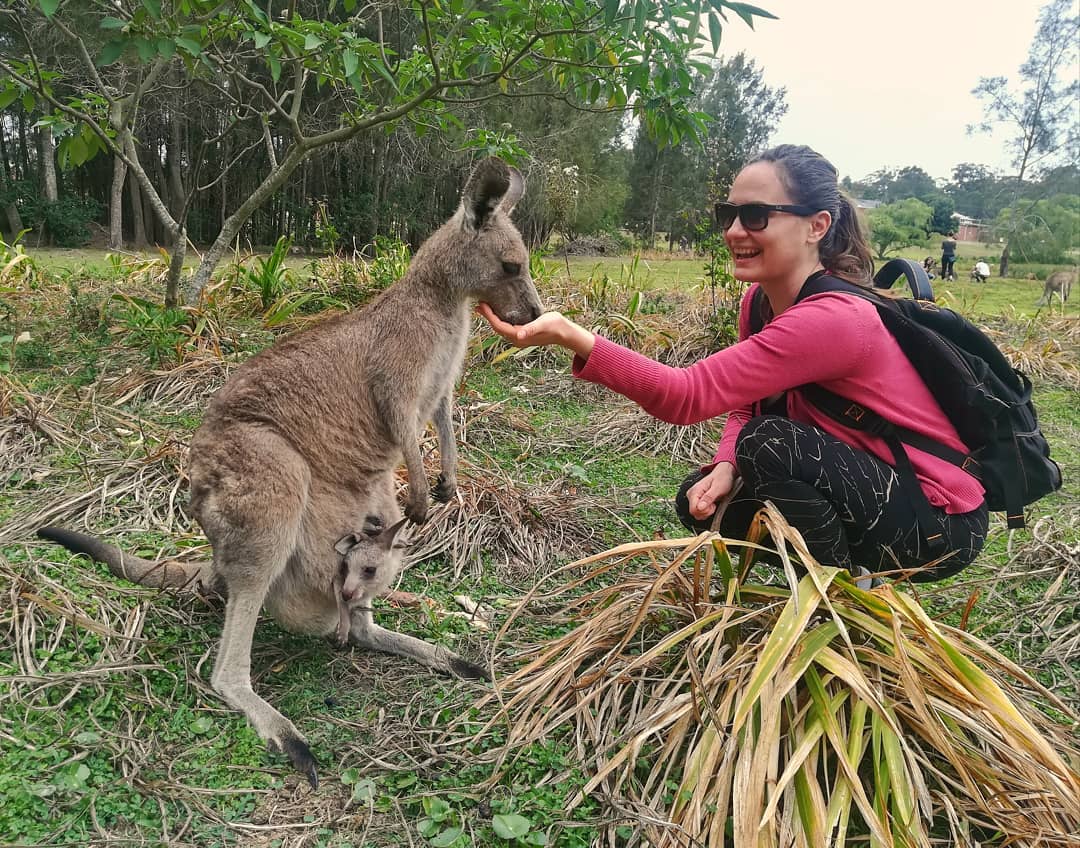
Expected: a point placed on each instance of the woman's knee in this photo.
(760, 432)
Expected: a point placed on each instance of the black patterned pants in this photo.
(849, 506)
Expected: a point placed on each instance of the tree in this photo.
(1043, 231)
(897, 225)
(324, 73)
(977, 191)
(674, 186)
(1044, 117)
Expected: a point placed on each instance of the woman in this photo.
(785, 221)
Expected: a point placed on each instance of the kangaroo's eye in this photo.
(511, 268)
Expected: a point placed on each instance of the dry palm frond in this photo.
(807, 716)
(514, 527)
(631, 428)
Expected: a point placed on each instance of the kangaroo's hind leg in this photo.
(250, 501)
(365, 633)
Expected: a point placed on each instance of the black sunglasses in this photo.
(755, 216)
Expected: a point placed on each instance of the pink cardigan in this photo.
(830, 339)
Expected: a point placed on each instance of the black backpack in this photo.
(985, 398)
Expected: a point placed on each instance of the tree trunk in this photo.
(273, 181)
(137, 222)
(48, 165)
(1003, 267)
(116, 205)
(174, 158)
(176, 268)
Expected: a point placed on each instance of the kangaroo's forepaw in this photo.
(445, 488)
(468, 670)
(299, 755)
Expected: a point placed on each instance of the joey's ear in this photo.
(392, 536)
(346, 543)
(488, 184)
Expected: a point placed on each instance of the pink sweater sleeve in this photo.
(819, 339)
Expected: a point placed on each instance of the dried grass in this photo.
(804, 716)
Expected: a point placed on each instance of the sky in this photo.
(877, 84)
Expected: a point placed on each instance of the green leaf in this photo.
(147, 49)
(349, 58)
(384, 72)
(611, 10)
(201, 725)
(427, 827)
(153, 7)
(49, 7)
(275, 67)
(7, 96)
(189, 45)
(715, 31)
(261, 39)
(112, 23)
(312, 41)
(111, 52)
(350, 775)
(166, 48)
(76, 150)
(363, 789)
(447, 838)
(28, 101)
(510, 826)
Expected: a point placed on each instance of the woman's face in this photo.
(785, 246)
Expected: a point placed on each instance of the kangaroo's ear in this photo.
(392, 536)
(346, 543)
(487, 185)
(373, 525)
(514, 192)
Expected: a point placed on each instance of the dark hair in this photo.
(811, 180)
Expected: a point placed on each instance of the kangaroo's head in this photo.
(483, 250)
(370, 559)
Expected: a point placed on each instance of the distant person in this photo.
(981, 272)
(787, 222)
(928, 265)
(948, 257)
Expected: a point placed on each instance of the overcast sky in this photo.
(876, 84)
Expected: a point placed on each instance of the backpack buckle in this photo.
(855, 413)
(971, 466)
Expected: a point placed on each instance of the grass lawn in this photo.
(110, 732)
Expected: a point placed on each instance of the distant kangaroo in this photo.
(1059, 283)
(298, 449)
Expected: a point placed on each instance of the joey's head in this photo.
(489, 259)
(370, 560)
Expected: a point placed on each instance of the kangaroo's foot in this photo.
(445, 488)
(365, 633)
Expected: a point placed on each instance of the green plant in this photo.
(157, 330)
(390, 262)
(724, 290)
(270, 278)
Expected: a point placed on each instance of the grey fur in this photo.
(1059, 283)
(301, 443)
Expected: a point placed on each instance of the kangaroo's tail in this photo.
(166, 574)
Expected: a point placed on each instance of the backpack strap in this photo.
(917, 279)
(857, 417)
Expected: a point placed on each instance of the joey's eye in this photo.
(511, 268)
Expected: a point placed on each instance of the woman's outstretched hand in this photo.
(551, 328)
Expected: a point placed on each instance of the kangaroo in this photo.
(302, 441)
(1059, 283)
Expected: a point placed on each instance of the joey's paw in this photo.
(445, 488)
(299, 754)
(417, 512)
(467, 670)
